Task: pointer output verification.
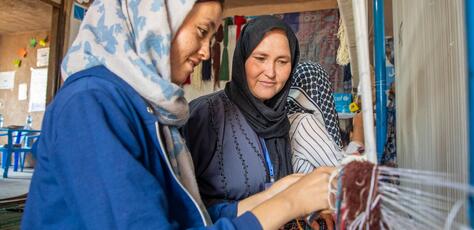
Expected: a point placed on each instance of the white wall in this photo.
(193, 91)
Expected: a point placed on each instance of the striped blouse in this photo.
(311, 144)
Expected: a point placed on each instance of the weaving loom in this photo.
(431, 195)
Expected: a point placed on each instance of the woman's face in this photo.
(269, 65)
(191, 44)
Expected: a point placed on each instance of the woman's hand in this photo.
(310, 193)
(251, 202)
(306, 195)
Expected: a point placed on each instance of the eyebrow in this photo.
(211, 23)
(284, 56)
(266, 55)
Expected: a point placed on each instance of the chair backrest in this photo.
(23, 139)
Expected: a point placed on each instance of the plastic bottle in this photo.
(29, 122)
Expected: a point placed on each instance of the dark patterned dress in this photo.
(228, 158)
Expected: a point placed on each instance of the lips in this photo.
(267, 83)
(192, 63)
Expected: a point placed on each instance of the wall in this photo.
(192, 92)
(431, 87)
(13, 110)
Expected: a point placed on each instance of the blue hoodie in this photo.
(101, 165)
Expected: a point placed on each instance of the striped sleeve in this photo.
(311, 144)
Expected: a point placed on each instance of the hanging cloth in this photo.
(347, 73)
(224, 70)
(342, 57)
(188, 81)
(239, 21)
(216, 53)
(196, 77)
(206, 70)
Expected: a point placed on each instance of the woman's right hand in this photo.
(308, 194)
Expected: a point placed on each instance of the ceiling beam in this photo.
(54, 3)
(280, 8)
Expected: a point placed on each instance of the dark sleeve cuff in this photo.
(247, 221)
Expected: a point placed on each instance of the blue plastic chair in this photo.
(31, 142)
(22, 144)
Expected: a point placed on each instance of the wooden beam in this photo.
(56, 51)
(291, 7)
(54, 3)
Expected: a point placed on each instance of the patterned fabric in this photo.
(389, 157)
(319, 222)
(310, 83)
(317, 36)
(133, 40)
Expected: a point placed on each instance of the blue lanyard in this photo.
(267, 160)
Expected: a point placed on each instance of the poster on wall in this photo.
(38, 83)
(42, 57)
(7, 80)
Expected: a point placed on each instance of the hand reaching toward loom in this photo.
(306, 195)
(311, 191)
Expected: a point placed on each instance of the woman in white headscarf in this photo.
(110, 155)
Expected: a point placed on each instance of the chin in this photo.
(263, 97)
(178, 80)
(262, 94)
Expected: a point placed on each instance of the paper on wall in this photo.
(7, 80)
(38, 83)
(22, 91)
(42, 57)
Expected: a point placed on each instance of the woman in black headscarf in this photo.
(239, 137)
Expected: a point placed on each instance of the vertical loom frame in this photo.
(359, 8)
(380, 76)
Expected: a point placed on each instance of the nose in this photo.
(270, 70)
(205, 51)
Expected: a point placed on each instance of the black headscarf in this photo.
(268, 119)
